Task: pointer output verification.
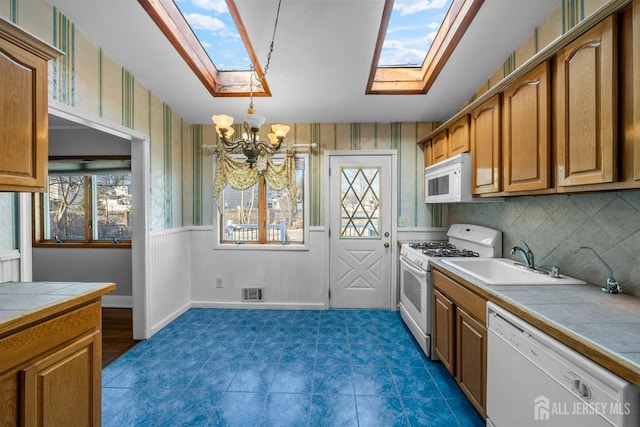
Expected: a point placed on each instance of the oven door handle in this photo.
(414, 270)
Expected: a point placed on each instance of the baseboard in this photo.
(259, 305)
(117, 301)
(170, 318)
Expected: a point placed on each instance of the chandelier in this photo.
(249, 142)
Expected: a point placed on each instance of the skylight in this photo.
(412, 28)
(213, 25)
(210, 37)
(415, 40)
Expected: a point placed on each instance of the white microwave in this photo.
(449, 181)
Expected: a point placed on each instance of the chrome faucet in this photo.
(527, 255)
(612, 286)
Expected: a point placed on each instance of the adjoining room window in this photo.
(88, 203)
(262, 215)
(8, 222)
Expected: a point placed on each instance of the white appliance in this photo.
(449, 181)
(416, 289)
(535, 380)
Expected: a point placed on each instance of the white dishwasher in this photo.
(535, 380)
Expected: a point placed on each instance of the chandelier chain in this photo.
(266, 67)
(273, 37)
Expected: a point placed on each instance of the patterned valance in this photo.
(240, 175)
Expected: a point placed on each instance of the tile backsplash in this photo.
(555, 226)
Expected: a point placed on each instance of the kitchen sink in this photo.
(504, 271)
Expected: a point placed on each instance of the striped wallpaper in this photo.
(87, 78)
(566, 15)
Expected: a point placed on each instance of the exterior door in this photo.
(360, 230)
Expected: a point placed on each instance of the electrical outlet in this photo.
(218, 282)
(402, 221)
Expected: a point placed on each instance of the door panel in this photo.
(360, 231)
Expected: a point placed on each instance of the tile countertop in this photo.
(603, 327)
(22, 303)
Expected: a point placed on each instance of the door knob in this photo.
(386, 244)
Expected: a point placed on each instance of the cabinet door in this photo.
(471, 350)
(444, 329)
(585, 105)
(428, 154)
(63, 389)
(525, 132)
(439, 147)
(485, 146)
(459, 137)
(636, 88)
(23, 119)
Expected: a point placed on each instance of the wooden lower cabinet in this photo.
(444, 326)
(50, 373)
(460, 336)
(471, 358)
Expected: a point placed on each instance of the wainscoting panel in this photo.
(10, 267)
(169, 293)
(290, 279)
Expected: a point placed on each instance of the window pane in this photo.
(8, 221)
(282, 225)
(113, 207)
(240, 214)
(66, 208)
(359, 203)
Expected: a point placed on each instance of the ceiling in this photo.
(320, 63)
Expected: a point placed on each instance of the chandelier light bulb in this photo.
(280, 130)
(223, 121)
(273, 139)
(254, 120)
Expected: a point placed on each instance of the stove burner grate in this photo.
(432, 245)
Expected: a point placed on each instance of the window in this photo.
(262, 215)
(8, 221)
(88, 203)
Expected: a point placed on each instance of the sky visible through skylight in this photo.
(412, 28)
(213, 25)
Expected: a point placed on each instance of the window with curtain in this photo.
(88, 203)
(258, 213)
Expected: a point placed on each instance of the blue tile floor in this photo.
(224, 367)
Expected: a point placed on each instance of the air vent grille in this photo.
(252, 294)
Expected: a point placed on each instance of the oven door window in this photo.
(412, 288)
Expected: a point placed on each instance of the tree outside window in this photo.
(86, 208)
(262, 215)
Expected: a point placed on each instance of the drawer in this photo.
(472, 303)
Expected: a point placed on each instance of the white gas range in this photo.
(416, 290)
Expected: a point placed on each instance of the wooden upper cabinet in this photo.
(23, 109)
(485, 146)
(526, 132)
(439, 147)
(585, 108)
(633, 76)
(428, 154)
(459, 137)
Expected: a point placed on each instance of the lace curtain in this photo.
(240, 175)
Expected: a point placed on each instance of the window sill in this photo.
(105, 245)
(263, 247)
